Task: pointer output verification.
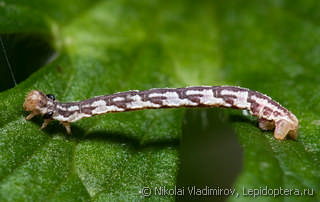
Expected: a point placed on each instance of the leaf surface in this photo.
(105, 47)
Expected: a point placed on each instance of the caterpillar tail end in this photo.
(284, 128)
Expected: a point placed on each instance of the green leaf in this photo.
(105, 47)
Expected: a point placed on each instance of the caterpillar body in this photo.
(269, 112)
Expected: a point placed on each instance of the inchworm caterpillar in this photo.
(270, 113)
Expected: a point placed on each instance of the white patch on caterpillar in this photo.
(178, 102)
(155, 95)
(208, 98)
(81, 115)
(167, 94)
(74, 117)
(86, 105)
(104, 109)
(241, 98)
(137, 103)
(262, 103)
(172, 99)
(265, 103)
(193, 92)
(59, 117)
(62, 108)
(73, 108)
(98, 103)
(118, 99)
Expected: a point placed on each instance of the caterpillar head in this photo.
(34, 101)
(39, 103)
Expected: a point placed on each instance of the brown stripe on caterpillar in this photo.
(270, 113)
(196, 97)
(87, 110)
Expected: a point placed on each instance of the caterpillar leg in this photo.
(266, 124)
(282, 129)
(31, 115)
(293, 134)
(67, 126)
(45, 123)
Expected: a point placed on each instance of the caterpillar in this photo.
(271, 115)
